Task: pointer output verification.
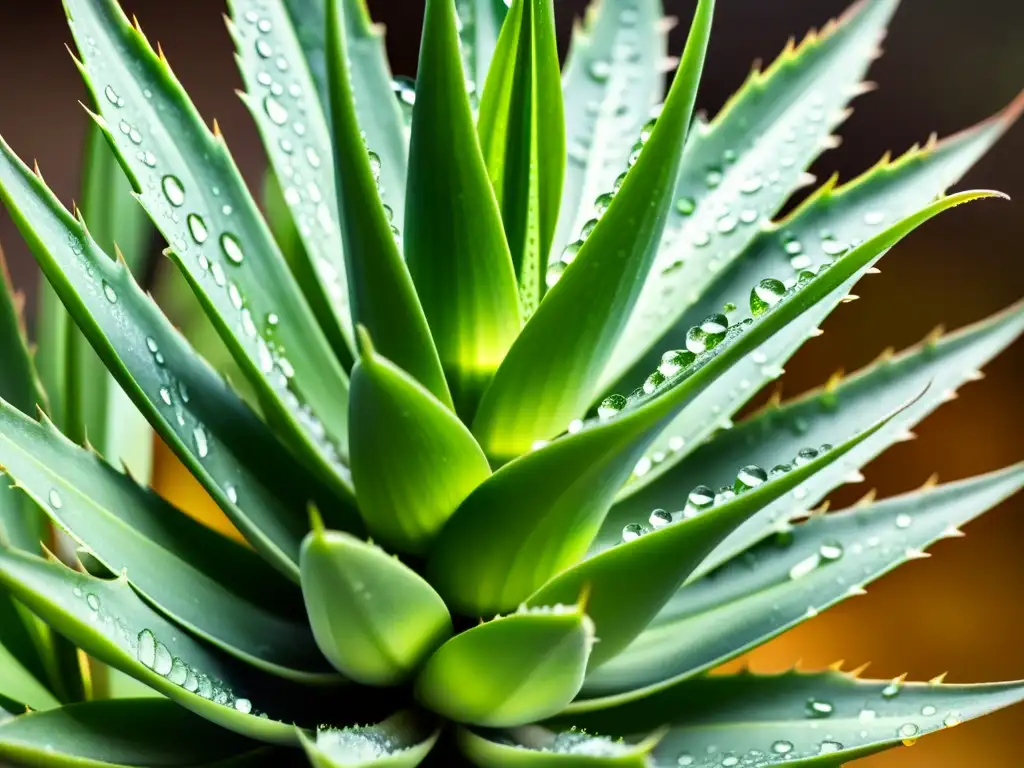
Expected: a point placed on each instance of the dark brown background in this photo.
(949, 63)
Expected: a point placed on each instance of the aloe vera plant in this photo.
(485, 348)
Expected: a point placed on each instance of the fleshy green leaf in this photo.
(485, 562)
(203, 581)
(279, 84)
(233, 455)
(629, 583)
(943, 365)
(555, 362)
(381, 290)
(543, 653)
(780, 584)
(128, 732)
(479, 26)
(522, 136)
(401, 741)
(17, 684)
(821, 719)
(612, 80)
(535, 747)
(457, 252)
(373, 617)
(413, 461)
(189, 185)
(743, 167)
(850, 214)
(107, 620)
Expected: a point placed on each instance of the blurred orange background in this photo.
(947, 64)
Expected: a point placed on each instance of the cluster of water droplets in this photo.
(601, 204)
(156, 657)
(578, 742)
(702, 498)
(357, 744)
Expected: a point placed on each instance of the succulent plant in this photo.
(462, 541)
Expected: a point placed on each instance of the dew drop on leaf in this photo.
(611, 406)
(54, 499)
(765, 295)
(232, 248)
(197, 228)
(659, 518)
(633, 531)
(173, 191)
(275, 110)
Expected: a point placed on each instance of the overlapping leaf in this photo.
(555, 362)
(479, 26)
(220, 440)
(457, 252)
(189, 185)
(401, 741)
(536, 747)
(779, 584)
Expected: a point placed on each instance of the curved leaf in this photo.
(107, 620)
(275, 72)
(742, 168)
(479, 26)
(612, 80)
(20, 686)
(153, 733)
(205, 582)
(555, 361)
(381, 291)
(543, 654)
(373, 617)
(821, 719)
(401, 741)
(848, 214)
(522, 135)
(484, 562)
(413, 461)
(454, 243)
(780, 584)
(535, 747)
(223, 444)
(942, 364)
(189, 185)
(629, 583)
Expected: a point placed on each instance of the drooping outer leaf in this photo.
(373, 617)
(543, 654)
(107, 620)
(381, 291)
(555, 362)
(213, 586)
(126, 732)
(218, 438)
(536, 747)
(485, 562)
(278, 80)
(189, 185)
(401, 741)
(630, 583)
(739, 713)
(523, 139)
(613, 78)
(413, 460)
(942, 365)
(454, 243)
(479, 26)
(847, 214)
(779, 584)
(741, 169)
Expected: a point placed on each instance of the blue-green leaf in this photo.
(780, 584)
(401, 741)
(454, 242)
(479, 26)
(18, 684)
(555, 362)
(188, 183)
(533, 746)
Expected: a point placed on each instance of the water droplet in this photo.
(652, 382)
(698, 500)
(928, 711)
(179, 672)
(800, 262)
(202, 443)
(831, 551)
(112, 97)
(244, 706)
(713, 177)
(782, 747)
(685, 759)
(749, 477)
(275, 110)
(232, 248)
(54, 499)
(375, 167)
(873, 218)
(633, 531)
(165, 395)
(173, 191)
(685, 206)
(234, 296)
(93, 601)
(634, 153)
(908, 731)
(892, 690)
(675, 360)
(867, 715)
(727, 224)
(149, 159)
(263, 49)
(660, 518)
(109, 292)
(146, 651)
(904, 521)
(600, 70)
(602, 203)
(197, 228)
(833, 247)
(611, 406)
(780, 469)
(828, 747)
(952, 720)
(752, 185)
(816, 708)
(805, 456)
(765, 295)
(554, 273)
